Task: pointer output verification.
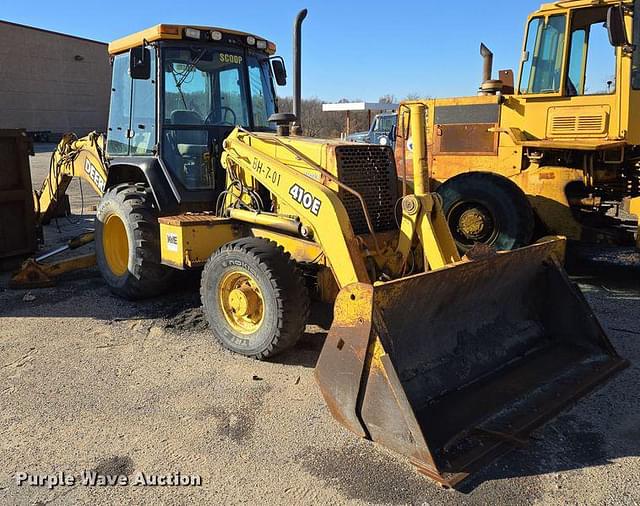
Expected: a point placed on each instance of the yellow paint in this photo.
(241, 302)
(171, 32)
(634, 206)
(300, 250)
(327, 286)
(116, 245)
(472, 222)
(377, 352)
(542, 122)
(279, 168)
(423, 212)
(83, 158)
(545, 187)
(420, 169)
(293, 167)
(188, 245)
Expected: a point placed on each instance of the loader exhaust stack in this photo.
(455, 367)
(489, 86)
(297, 71)
(487, 66)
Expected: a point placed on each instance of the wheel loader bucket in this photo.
(455, 367)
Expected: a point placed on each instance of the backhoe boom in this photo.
(72, 157)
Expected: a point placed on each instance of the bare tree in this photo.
(388, 99)
(317, 123)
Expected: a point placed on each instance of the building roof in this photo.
(359, 106)
(3, 22)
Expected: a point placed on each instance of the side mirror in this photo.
(279, 71)
(616, 27)
(139, 63)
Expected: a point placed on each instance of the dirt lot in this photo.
(88, 381)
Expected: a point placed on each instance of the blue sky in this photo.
(351, 48)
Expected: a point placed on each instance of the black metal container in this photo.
(17, 216)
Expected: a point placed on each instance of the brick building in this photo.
(52, 82)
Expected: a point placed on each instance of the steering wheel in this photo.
(209, 119)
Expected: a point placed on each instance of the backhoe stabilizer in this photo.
(454, 367)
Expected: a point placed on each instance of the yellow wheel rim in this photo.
(116, 245)
(241, 302)
(472, 223)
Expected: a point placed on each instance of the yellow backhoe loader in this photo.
(448, 361)
(553, 150)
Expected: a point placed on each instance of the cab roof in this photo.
(572, 4)
(177, 32)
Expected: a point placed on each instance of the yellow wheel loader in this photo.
(448, 361)
(554, 151)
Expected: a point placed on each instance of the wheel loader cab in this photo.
(551, 148)
(177, 92)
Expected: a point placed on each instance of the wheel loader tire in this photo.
(127, 241)
(254, 298)
(482, 207)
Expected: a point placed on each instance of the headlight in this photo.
(192, 33)
(216, 35)
(261, 44)
(251, 40)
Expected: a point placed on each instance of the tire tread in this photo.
(287, 281)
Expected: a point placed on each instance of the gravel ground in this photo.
(92, 382)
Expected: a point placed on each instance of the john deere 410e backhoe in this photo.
(447, 361)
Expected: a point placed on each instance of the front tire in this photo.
(486, 208)
(127, 241)
(254, 298)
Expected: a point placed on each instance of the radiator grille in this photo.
(371, 171)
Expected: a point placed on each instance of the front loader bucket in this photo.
(453, 368)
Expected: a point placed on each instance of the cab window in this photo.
(232, 108)
(206, 94)
(143, 113)
(187, 98)
(544, 53)
(385, 123)
(592, 58)
(119, 108)
(262, 99)
(204, 89)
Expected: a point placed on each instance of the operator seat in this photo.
(185, 149)
(189, 143)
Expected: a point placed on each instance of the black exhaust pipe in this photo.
(487, 68)
(297, 71)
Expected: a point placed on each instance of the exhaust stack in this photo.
(487, 68)
(297, 71)
(488, 86)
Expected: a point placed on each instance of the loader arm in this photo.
(72, 157)
(326, 217)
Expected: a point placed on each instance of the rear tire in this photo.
(486, 208)
(127, 241)
(254, 298)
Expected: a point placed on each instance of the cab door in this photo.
(119, 108)
(569, 77)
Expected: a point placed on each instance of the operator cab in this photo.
(177, 93)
